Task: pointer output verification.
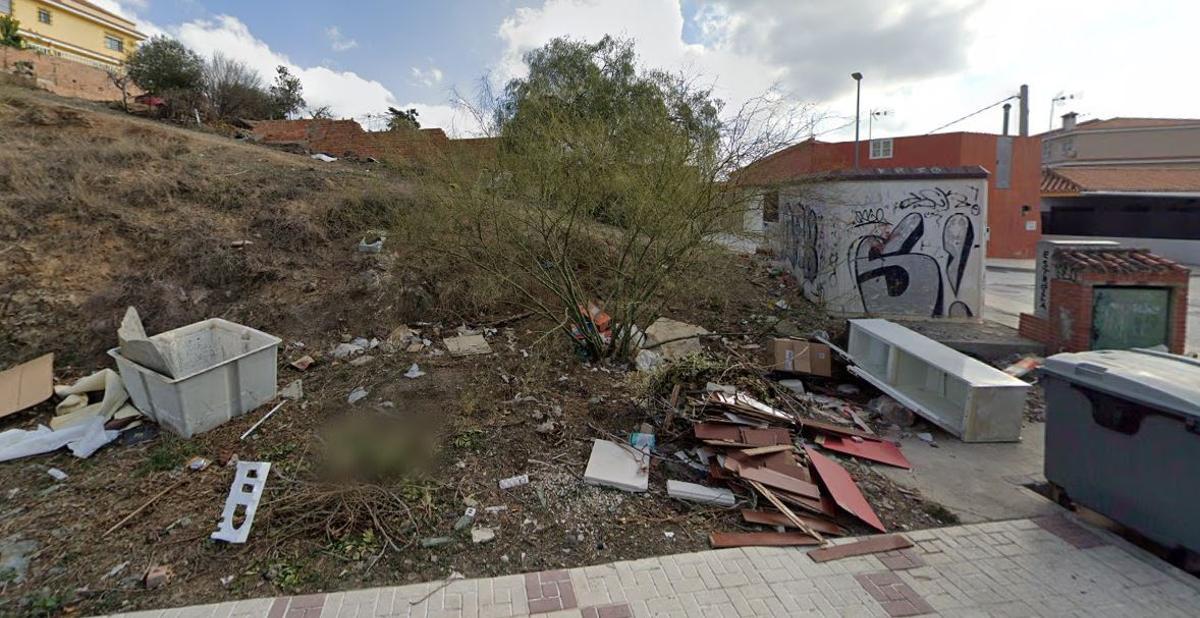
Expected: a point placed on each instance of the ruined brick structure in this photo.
(65, 77)
(346, 138)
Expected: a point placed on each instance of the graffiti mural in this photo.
(890, 247)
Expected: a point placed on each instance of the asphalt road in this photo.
(1010, 293)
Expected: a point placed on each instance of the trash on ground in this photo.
(800, 356)
(227, 370)
(720, 540)
(618, 465)
(263, 419)
(74, 408)
(869, 545)
(842, 489)
(356, 395)
(303, 363)
(26, 385)
(58, 475)
(83, 439)
(891, 411)
(482, 535)
(371, 244)
(197, 463)
(157, 576)
(320, 156)
(796, 386)
(346, 350)
(648, 360)
(903, 364)
(414, 372)
(514, 481)
(692, 492)
(673, 339)
(434, 541)
(1022, 367)
(294, 390)
(137, 347)
(467, 345)
(881, 451)
(466, 519)
(248, 484)
(775, 518)
(361, 360)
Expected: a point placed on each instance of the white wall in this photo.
(888, 247)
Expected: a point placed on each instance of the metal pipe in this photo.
(857, 108)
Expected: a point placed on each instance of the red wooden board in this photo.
(842, 488)
(883, 452)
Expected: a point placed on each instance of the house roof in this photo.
(1125, 178)
(1118, 260)
(1107, 124)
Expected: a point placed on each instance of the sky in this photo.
(925, 63)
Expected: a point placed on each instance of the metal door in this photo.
(1129, 317)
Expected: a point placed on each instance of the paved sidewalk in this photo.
(1049, 566)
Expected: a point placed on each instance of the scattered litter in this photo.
(869, 545)
(197, 463)
(781, 304)
(891, 411)
(303, 363)
(482, 535)
(343, 351)
(796, 386)
(669, 534)
(800, 356)
(136, 347)
(115, 571)
(157, 577)
(774, 518)
(713, 387)
(692, 492)
(434, 541)
(617, 465)
(720, 540)
(74, 407)
(357, 395)
(466, 519)
(15, 554)
(882, 452)
(294, 390)
(493, 510)
(927, 438)
(362, 360)
(371, 244)
(848, 390)
(267, 416)
(83, 439)
(226, 580)
(26, 385)
(320, 156)
(414, 372)
(514, 481)
(248, 484)
(1022, 367)
(58, 475)
(842, 489)
(647, 360)
(467, 345)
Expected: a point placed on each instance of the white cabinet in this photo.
(964, 396)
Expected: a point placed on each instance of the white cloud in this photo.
(427, 77)
(338, 41)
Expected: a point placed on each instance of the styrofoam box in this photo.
(225, 370)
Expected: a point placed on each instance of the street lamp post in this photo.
(857, 106)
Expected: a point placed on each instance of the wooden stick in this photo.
(148, 503)
(800, 523)
(263, 419)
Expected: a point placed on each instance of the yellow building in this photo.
(74, 29)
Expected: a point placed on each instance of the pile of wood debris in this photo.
(754, 448)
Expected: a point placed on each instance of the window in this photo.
(1045, 150)
(771, 207)
(881, 148)
(44, 16)
(113, 43)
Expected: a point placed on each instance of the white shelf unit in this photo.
(966, 397)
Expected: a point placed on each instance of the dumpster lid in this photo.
(1158, 379)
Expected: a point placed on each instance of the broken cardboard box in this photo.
(800, 356)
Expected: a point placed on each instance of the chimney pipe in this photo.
(1068, 121)
(1023, 111)
(1007, 109)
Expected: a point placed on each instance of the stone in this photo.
(647, 360)
(467, 345)
(294, 391)
(683, 338)
(303, 363)
(157, 577)
(344, 351)
(357, 395)
(482, 535)
(891, 411)
(362, 360)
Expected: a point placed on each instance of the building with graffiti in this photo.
(888, 242)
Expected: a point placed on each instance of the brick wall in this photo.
(346, 138)
(65, 77)
(1068, 327)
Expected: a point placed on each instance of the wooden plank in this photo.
(882, 452)
(773, 518)
(767, 450)
(842, 488)
(823, 427)
(714, 431)
(720, 540)
(787, 512)
(766, 437)
(869, 545)
(780, 481)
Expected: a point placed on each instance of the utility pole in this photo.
(857, 107)
(1023, 111)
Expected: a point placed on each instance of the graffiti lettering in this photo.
(870, 216)
(938, 199)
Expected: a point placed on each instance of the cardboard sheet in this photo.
(842, 488)
(26, 385)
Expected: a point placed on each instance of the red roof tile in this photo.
(1133, 178)
(1114, 261)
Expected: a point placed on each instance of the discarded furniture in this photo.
(1123, 439)
(1108, 298)
(965, 397)
(224, 370)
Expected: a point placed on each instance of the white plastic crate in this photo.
(225, 370)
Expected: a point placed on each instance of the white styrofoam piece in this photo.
(616, 465)
(682, 490)
(968, 398)
(225, 370)
(248, 484)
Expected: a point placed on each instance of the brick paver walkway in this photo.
(1051, 566)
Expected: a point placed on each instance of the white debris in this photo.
(414, 372)
(320, 156)
(514, 481)
(357, 395)
(83, 439)
(347, 350)
(58, 475)
(482, 535)
(252, 475)
(619, 466)
(692, 492)
(293, 391)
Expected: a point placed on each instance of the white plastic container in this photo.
(226, 370)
